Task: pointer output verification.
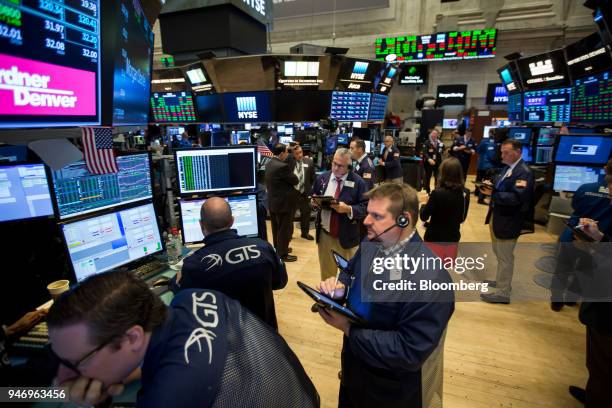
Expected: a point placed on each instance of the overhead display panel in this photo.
(510, 77)
(247, 107)
(453, 45)
(358, 75)
(383, 82)
(173, 107)
(451, 95)
(413, 74)
(132, 54)
(588, 56)
(592, 98)
(49, 63)
(515, 107)
(547, 105)
(496, 94)
(350, 106)
(548, 70)
(302, 8)
(301, 72)
(198, 78)
(378, 107)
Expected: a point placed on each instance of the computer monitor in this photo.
(108, 241)
(24, 192)
(285, 139)
(78, 192)
(570, 178)
(543, 154)
(526, 154)
(449, 123)
(547, 136)
(331, 144)
(289, 130)
(547, 105)
(241, 137)
(343, 139)
(280, 129)
(522, 134)
(213, 169)
(220, 138)
(244, 211)
(485, 133)
(584, 149)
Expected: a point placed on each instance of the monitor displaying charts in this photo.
(216, 169)
(78, 192)
(350, 106)
(592, 98)
(107, 241)
(244, 211)
(543, 154)
(570, 178)
(24, 192)
(547, 105)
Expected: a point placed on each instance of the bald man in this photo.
(246, 269)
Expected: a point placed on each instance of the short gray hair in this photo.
(343, 151)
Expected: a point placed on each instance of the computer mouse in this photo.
(163, 281)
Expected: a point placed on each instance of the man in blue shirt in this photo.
(486, 150)
(382, 361)
(205, 350)
(245, 269)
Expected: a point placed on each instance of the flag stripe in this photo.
(98, 150)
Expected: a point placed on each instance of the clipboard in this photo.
(327, 303)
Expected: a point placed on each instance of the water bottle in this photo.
(171, 247)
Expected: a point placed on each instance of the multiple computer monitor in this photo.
(244, 211)
(24, 192)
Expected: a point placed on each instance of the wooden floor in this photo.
(517, 355)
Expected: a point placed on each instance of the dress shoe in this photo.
(556, 306)
(578, 393)
(289, 258)
(494, 298)
(490, 283)
(308, 237)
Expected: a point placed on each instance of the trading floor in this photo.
(517, 355)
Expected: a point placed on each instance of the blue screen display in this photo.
(343, 139)
(330, 145)
(210, 108)
(515, 107)
(497, 94)
(522, 134)
(25, 192)
(350, 106)
(378, 107)
(584, 149)
(249, 107)
(547, 105)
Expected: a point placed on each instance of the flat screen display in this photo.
(548, 70)
(358, 75)
(543, 154)
(300, 106)
(587, 56)
(173, 107)
(108, 241)
(515, 107)
(247, 107)
(132, 64)
(24, 192)
(522, 134)
(526, 154)
(350, 106)
(451, 95)
(49, 63)
(216, 169)
(510, 77)
(450, 123)
(570, 178)
(592, 98)
(452, 45)
(78, 192)
(413, 74)
(244, 211)
(547, 105)
(343, 139)
(584, 149)
(210, 108)
(378, 107)
(497, 94)
(199, 79)
(547, 136)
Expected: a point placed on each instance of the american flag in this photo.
(98, 150)
(263, 149)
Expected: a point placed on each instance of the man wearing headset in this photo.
(337, 225)
(383, 360)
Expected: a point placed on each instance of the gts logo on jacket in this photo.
(232, 257)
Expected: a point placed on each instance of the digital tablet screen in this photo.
(327, 302)
(340, 261)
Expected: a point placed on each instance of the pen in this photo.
(335, 283)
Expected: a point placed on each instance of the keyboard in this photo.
(150, 269)
(34, 340)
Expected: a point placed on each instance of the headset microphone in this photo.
(401, 221)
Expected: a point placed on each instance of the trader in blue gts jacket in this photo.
(204, 350)
(384, 360)
(246, 269)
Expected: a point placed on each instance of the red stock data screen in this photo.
(592, 100)
(453, 45)
(173, 107)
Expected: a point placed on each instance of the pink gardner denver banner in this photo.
(30, 87)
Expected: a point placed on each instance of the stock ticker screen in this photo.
(50, 56)
(547, 105)
(173, 107)
(592, 98)
(453, 45)
(378, 107)
(350, 106)
(77, 191)
(515, 107)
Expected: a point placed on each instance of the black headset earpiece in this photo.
(402, 221)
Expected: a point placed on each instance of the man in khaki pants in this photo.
(338, 224)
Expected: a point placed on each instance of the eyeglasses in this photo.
(75, 366)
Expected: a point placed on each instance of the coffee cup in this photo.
(58, 287)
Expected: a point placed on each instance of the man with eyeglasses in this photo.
(337, 225)
(203, 350)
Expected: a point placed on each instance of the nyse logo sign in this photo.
(359, 70)
(247, 107)
(541, 67)
(257, 5)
